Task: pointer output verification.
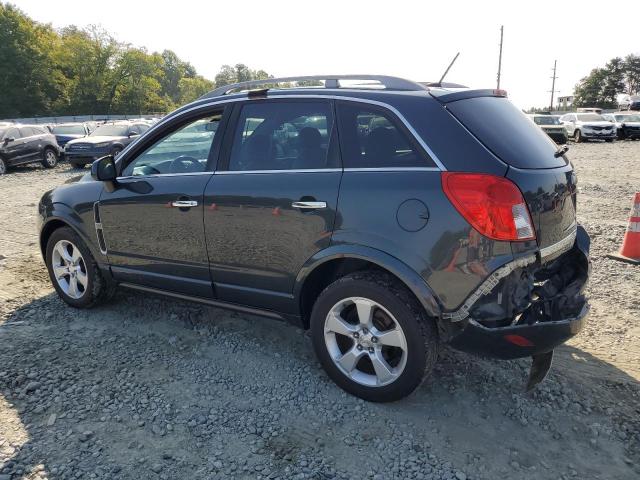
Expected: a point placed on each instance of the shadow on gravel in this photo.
(112, 393)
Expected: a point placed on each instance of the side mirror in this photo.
(104, 169)
(9, 140)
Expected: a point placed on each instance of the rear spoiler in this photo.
(444, 96)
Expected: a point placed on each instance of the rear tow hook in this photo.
(539, 369)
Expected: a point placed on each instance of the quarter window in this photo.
(372, 138)
(185, 150)
(283, 136)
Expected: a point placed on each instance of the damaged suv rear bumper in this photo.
(530, 307)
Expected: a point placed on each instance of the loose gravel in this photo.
(147, 387)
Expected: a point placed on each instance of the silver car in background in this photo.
(588, 126)
(627, 124)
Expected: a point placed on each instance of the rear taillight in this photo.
(492, 205)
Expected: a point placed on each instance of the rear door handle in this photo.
(184, 203)
(309, 205)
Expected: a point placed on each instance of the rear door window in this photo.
(507, 132)
(371, 137)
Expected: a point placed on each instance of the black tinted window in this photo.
(507, 132)
(373, 138)
(283, 136)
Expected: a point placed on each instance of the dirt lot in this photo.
(153, 388)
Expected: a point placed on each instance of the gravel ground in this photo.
(152, 388)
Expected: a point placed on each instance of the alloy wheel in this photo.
(50, 158)
(365, 342)
(69, 269)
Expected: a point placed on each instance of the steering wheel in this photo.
(184, 163)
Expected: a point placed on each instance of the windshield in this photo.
(628, 118)
(68, 130)
(546, 120)
(111, 131)
(591, 117)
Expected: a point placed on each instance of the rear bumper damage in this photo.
(527, 307)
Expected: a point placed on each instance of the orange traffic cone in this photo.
(630, 251)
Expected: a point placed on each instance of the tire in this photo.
(406, 365)
(3, 166)
(91, 288)
(577, 136)
(116, 151)
(49, 158)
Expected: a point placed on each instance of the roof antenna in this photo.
(448, 68)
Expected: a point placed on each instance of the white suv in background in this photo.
(588, 126)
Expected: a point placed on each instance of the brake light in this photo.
(500, 93)
(492, 205)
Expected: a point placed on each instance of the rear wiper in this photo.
(561, 151)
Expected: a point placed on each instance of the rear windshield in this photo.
(507, 132)
(546, 120)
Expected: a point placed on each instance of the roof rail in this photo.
(330, 81)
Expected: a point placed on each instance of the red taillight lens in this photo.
(492, 205)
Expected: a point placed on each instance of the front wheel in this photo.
(49, 158)
(73, 270)
(372, 337)
(577, 136)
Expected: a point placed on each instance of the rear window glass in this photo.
(372, 138)
(507, 132)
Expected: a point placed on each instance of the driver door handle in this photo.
(184, 203)
(309, 205)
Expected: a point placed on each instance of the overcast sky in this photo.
(412, 39)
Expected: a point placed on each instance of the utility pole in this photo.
(553, 85)
(500, 56)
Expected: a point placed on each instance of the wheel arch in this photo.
(57, 221)
(335, 262)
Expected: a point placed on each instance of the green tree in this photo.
(29, 83)
(632, 74)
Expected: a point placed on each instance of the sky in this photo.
(411, 39)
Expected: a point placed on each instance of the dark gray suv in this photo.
(385, 215)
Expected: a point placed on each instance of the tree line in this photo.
(603, 85)
(75, 71)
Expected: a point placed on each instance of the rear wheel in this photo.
(73, 270)
(49, 158)
(372, 337)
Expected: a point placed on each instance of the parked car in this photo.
(69, 131)
(588, 126)
(106, 139)
(550, 124)
(627, 124)
(23, 144)
(453, 224)
(629, 102)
